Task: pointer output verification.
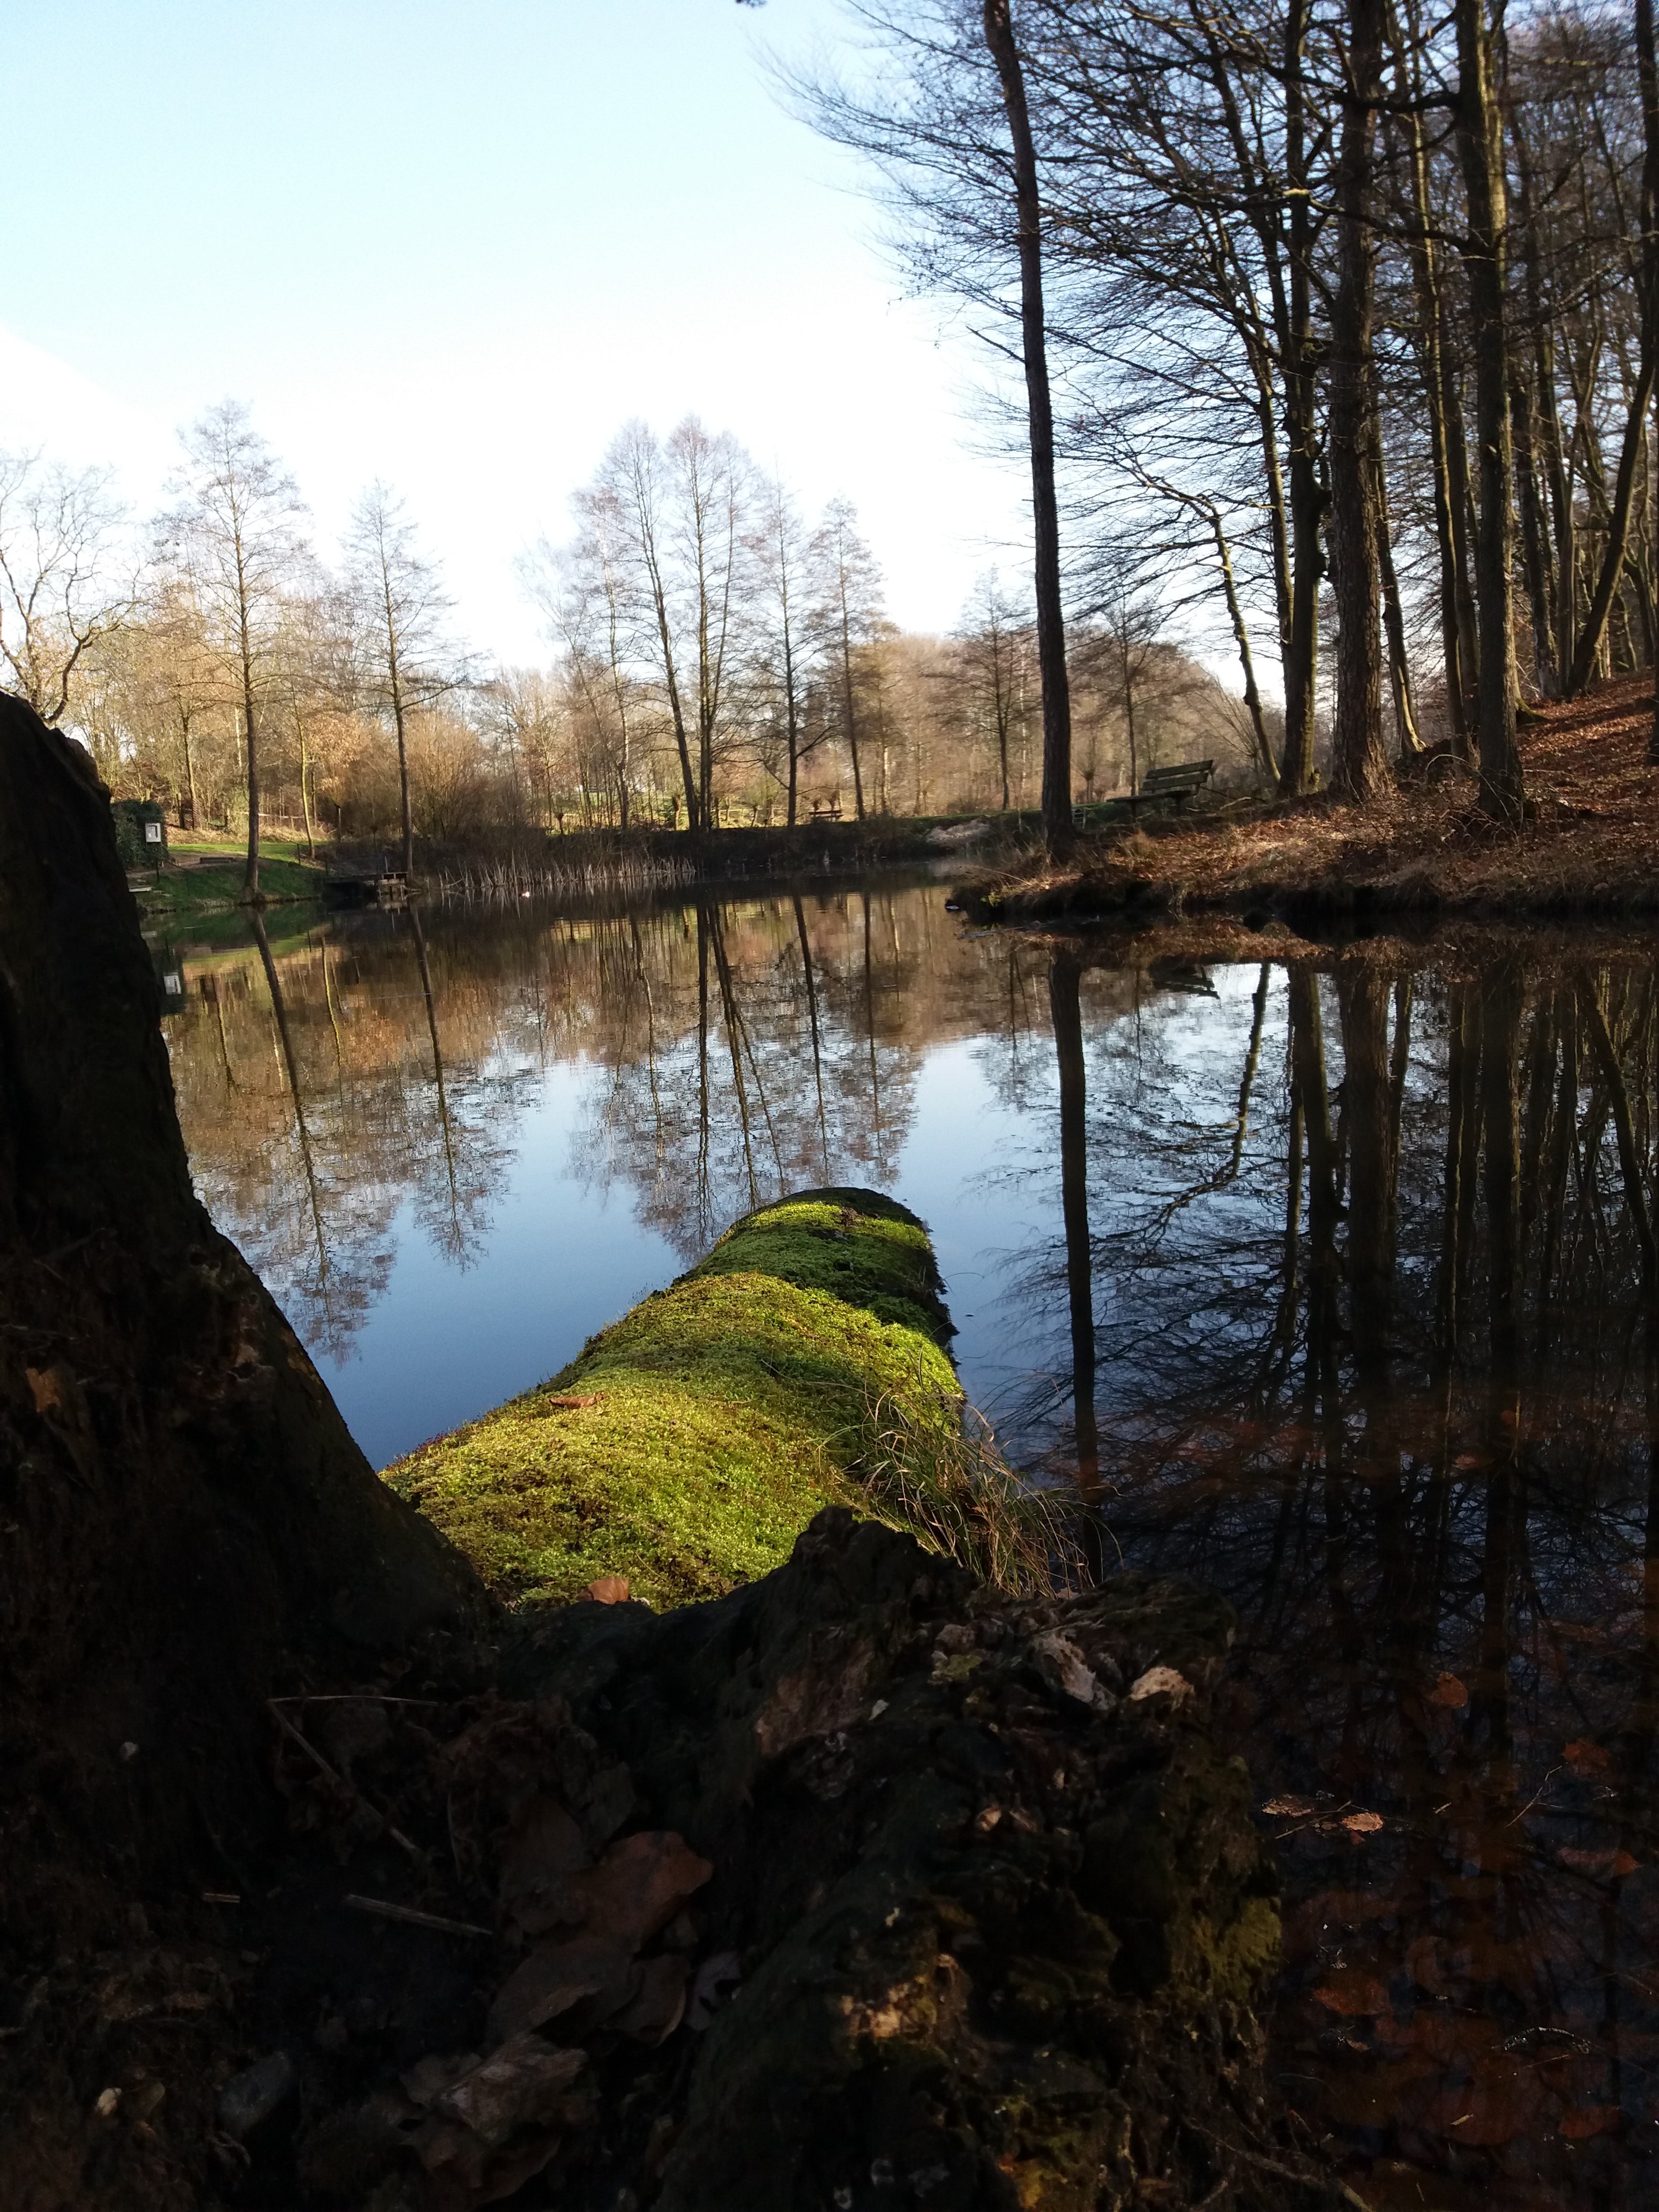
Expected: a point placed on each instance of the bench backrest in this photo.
(1189, 775)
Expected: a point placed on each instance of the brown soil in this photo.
(1589, 845)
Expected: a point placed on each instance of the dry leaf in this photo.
(543, 1846)
(1587, 1758)
(1606, 1866)
(639, 1886)
(1352, 1995)
(1450, 1692)
(1362, 1823)
(558, 1977)
(521, 2085)
(1290, 1808)
(609, 1589)
(1590, 2120)
(1160, 1682)
(657, 2008)
(1423, 1964)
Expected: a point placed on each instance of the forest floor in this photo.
(1589, 845)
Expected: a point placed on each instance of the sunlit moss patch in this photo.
(687, 1446)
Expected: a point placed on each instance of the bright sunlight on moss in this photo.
(688, 1446)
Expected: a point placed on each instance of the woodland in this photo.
(1352, 307)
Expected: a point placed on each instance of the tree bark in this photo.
(1058, 828)
(1359, 759)
(1481, 149)
(1307, 491)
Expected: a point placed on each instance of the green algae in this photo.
(799, 1365)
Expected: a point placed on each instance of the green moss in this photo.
(688, 1446)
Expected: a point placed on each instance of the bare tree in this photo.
(783, 558)
(236, 533)
(849, 610)
(401, 606)
(58, 591)
(1057, 820)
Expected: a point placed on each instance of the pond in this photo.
(1335, 1277)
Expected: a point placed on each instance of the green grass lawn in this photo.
(174, 891)
(688, 1446)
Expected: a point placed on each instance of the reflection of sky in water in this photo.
(564, 1251)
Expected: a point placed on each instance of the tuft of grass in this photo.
(799, 1365)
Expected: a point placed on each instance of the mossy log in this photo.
(686, 1448)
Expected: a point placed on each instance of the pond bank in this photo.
(1425, 850)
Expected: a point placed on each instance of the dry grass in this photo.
(1591, 844)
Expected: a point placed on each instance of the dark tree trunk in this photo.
(1058, 828)
(186, 1520)
(1307, 491)
(1360, 759)
(1480, 148)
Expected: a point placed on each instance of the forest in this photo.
(714, 658)
(1343, 315)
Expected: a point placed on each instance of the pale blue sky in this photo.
(455, 243)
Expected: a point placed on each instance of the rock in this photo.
(250, 2097)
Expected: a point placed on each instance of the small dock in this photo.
(383, 886)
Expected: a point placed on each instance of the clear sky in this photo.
(456, 243)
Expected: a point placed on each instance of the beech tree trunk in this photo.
(1360, 759)
(1058, 828)
(1481, 150)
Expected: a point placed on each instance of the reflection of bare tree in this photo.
(322, 1288)
(1381, 1368)
(1065, 1013)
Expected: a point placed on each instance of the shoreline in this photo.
(1589, 849)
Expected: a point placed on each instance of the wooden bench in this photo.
(826, 810)
(1175, 786)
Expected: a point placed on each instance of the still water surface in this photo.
(1341, 1278)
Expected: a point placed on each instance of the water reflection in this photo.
(1335, 1282)
(1376, 1356)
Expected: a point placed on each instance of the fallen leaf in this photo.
(1606, 1866)
(543, 1846)
(1587, 1758)
(1352, 1995)
(1290, 1808)
(1160, 1682)
(1450, 1692)
(557, 1977)
(639, 1886)
(1423, 1964)
(1362, 1823)
(521, 2085)
(1061, 1662)
(659, 2005)
(1590, 2120)
(430, 2076)
(609, 1589)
